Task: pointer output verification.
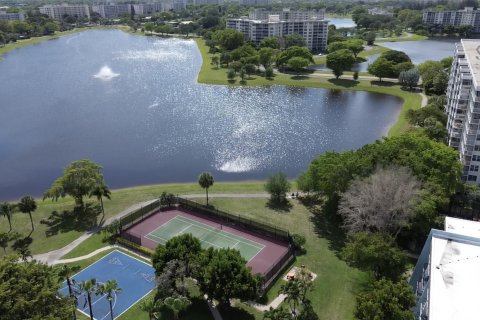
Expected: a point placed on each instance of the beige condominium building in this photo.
(311, 25)
(59, 11)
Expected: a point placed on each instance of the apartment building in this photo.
(310, 25)
(211, 2)
(11, 16)
(465, 17)
(287, 15)
(463, 108)
(254, 2)
(380, 12)
(446, 277)
(148, 8)
(59, 11)
(112, 10)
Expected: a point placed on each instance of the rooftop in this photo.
(455, 271)
(472, 53)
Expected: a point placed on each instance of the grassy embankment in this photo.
(211, 75)
(23, 43)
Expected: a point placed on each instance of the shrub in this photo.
(298, 242)
(136, 247)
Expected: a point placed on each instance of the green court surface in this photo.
(208, 235)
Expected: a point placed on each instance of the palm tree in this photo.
(6, 209)
(109, 288)
(65, 273)
(152, 307)
(177, 304)
(27, 205)
(88, 287)
(205, 181)
(101, 191)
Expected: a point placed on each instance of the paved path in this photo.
(52, 256)
(91, 254)
(424, 99)
(274, 304)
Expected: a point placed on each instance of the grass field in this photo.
(337, 284)
(69, 229)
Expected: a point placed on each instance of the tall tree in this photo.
(185, 248)
(277, 186)
(28, 205)
(298, 64)
(65, 273)
(386, 300)
(381, 68)
(7, 210)
(110, 289)
(29, 290)
(79, 179)
(88, 287)
(100, 191)
(377, 253)
(294, 40)
(205, 180)
(226, 276)
(340, 61)
(383, 202)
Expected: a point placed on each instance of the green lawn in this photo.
(23, 43)
(414, 37)
(335, 288)
(121, 199)
(333, 296)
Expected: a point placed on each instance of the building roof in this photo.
(472, 53)
(455, 271)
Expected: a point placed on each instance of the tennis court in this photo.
(135, 277)
(210, 236)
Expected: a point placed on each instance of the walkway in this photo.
(52, 256)
(424, 99)
(274, 304)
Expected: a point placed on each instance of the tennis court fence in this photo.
(227, 218)
(139, 215)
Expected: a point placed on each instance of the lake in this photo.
(421, 51)
(132, 104)
(341, 22)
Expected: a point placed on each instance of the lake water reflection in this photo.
(132, 104)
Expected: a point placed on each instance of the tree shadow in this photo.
(382, 83)
(328, 224)
(77, 219)
(299, 77)
(243, 82)
(22, 243)
(234, 313)
(346, 83)
(280, 205)
(232, 81)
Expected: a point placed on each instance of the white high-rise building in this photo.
(446, 277)
(111, 10)
(204, 2)
(463, 108)
(465, 17)
(261, 24)
(59, 11)
(254, 2)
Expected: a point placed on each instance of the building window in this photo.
(477, 148)
(471, 178)
(474, 168)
